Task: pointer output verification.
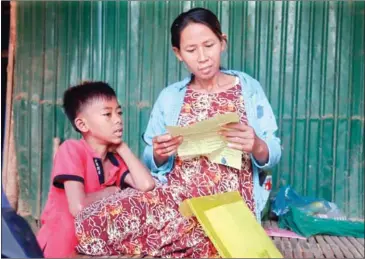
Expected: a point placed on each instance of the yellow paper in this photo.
(200, 144)
(231, 226)
(205, 126)
(227, 156)
(202, 138)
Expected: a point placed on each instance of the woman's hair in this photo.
(195, 15)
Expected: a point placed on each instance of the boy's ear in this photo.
(177, 53)
(81, 125)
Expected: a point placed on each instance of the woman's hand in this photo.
(243, 137)
(165, 146)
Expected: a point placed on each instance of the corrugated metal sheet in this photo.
(309, 57)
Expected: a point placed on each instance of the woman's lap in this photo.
(133, 222)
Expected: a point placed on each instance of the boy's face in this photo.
(102, 120)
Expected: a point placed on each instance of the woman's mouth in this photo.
(205, 70)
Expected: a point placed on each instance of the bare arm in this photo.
(77, 199)
(139, 178)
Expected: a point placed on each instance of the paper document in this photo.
(227, 156)
(202, 138)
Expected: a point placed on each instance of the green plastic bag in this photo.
(309, 216)
(306, 225)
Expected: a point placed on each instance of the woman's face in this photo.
(200, 49)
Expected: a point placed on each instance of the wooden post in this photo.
(56, 144)
(10, 172)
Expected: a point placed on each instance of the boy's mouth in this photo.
(118, 132)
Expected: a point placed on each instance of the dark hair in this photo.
(77, 97)
(195, 15)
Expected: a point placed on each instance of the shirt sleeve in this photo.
(266, 129)
(123, 172)
(155, 127)
(68, 164)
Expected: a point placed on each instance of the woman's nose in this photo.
(202, 55)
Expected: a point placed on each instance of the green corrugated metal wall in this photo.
(309, 57)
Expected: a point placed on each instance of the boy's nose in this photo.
(118, 120)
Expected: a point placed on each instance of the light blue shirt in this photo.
(260, 117)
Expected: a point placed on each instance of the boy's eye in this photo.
(120, 113)
(107, 114)
(190, 50)
(210, 45)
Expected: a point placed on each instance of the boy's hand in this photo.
(112, 189)
(139, 177)
(118, 148)
(77, 198)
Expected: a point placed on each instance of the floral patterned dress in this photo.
(133, 222)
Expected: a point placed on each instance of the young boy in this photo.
(84, 171)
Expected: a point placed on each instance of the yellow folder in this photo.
(231, 226)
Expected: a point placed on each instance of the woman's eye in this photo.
(190, 50)
(107, 114)
(120, 113)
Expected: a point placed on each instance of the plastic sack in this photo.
(231, 226)
(309, 216)
(321, 208)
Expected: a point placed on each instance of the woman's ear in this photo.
(81, 124)
(177, 53)
(224, 42)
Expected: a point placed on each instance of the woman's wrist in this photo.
(159, 161)
(260, 151)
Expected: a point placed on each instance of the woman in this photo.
(132, 222)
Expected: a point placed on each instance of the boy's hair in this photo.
(76, 97)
